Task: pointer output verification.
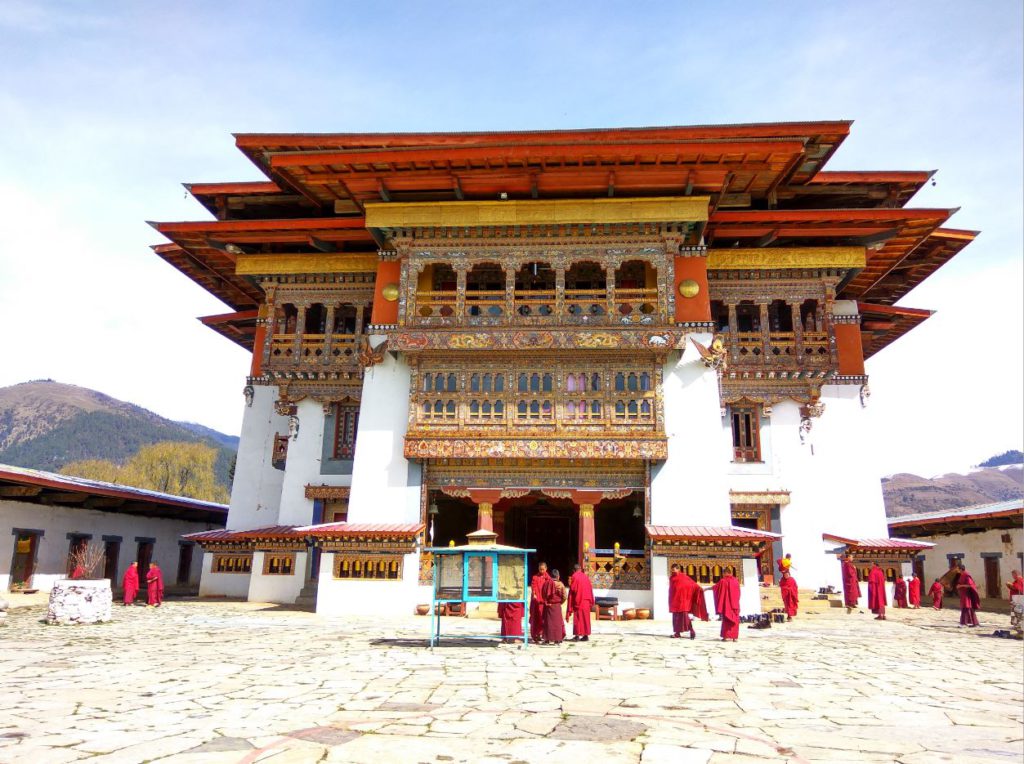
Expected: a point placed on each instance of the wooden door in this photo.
(144, 557)
(992, 589)
(24, 560)
(919, 572)
(111, 551)
(184, 563)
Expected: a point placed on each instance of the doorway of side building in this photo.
(144, 557)
(23, 561)
(993, 585)
(758, 517)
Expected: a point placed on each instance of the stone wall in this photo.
(79, 601)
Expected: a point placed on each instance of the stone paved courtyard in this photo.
(238, 682)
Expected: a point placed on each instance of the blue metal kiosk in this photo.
(480, 571)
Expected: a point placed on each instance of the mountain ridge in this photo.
(46, 425)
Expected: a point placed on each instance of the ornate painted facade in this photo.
(577, 339)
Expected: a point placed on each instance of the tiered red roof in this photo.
(879, 545)
(766, 183)
(707, 533)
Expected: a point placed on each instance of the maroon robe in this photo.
(876, 592)
(511, 615)
(537, 606)
(581, 603)
(790, 595)
(851, 586)
(1016, 587)
(914, 591)
(78, 572)
(937, 591)
(130, 583)
(727, 592)
(155, 586)
(899, 594)
(970, 600)
(685, 597)
(554, 596)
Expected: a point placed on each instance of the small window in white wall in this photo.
(746, 433)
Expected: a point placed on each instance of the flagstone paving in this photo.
(229, 682)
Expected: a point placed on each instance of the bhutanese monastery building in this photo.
(623, 347)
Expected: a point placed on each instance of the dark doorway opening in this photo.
(992, 583)
(111, 551)
(23, 563)
(550, 526)
(144, 557)
(184, 563)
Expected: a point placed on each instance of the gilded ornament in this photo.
(389, 292)
(689, 288)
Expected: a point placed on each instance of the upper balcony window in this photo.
(746, 433)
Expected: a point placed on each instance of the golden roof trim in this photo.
(771, 258)
(664, 209)
(279, 264)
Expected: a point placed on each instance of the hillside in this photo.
(906, 494)
(45, 425)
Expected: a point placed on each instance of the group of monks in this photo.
(908, 593)
(154, 585)
(686, 602)
(547, 595)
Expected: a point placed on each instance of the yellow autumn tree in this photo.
(181, 469)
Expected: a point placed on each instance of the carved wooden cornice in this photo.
(512, 448)
(328, 492)
(658, 339)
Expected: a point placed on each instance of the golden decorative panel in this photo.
(536, 212)
(368, 567)
(306, 262)
(765, 258)
(276, 564)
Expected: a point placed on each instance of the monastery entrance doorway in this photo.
(551, 526)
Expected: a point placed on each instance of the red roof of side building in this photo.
(342, 530)
(253, 534)
(899, 545)
(708, 533)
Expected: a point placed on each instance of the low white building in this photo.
(988, 539)
(50, 516)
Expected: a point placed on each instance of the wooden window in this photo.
(277, 564)
(368, 567)
(232, 563)
(346, 425)
(746, 433)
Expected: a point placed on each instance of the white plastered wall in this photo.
(302, 468)
(276, 588)
(57, 522)
(690, 487)
(256, 491)
(832, 478)
(336, 596)
(381, 490)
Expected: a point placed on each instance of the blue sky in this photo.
(105, 108)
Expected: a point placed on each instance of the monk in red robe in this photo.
(685, 597)
(537, 605)
(876, 592)
(970, 600)
(130, 583)
(914, 591)
(899, 593)
(554, 596)
(155, 585)
(727, 592)
(511, 615)
(78, 572)
(851, 585)
(1016, 586)
(790, 595)
(581, 603)
(937, 591)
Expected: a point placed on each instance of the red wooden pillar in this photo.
(587, 535)
(485, 499)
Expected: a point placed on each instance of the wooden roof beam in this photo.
(523, 152)
(19, 491)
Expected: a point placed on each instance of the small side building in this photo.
(987, 538)
(48, 517)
